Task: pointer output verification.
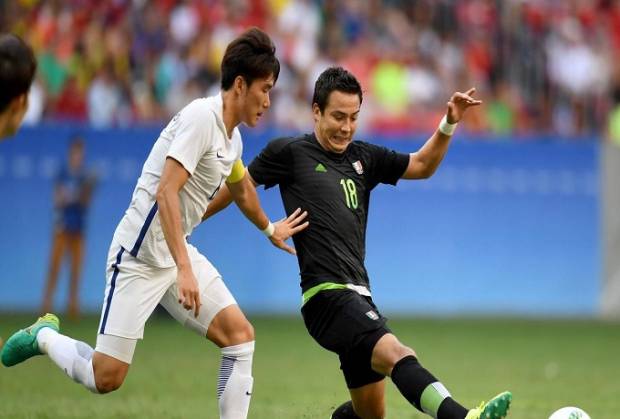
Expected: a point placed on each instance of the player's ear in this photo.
(316, 112)
(19, 103)
(239, 84)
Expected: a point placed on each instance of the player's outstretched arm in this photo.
(424, 162)
(223, 198)
(244, 194)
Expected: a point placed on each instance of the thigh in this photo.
(59, 244)
(119, 352)
(75, 244)
(214, 297)
(133, 290)
(369, 400)
(339, 320)
(350, 325)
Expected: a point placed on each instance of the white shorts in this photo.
(134, 289)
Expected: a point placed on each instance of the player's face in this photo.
(15, 114)
(335, 126)
(256, 100)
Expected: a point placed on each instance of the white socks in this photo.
(235, 380)
(234, 387)
(72, 356)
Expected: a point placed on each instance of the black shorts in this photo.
(350, 325)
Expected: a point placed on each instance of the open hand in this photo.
(286, 227)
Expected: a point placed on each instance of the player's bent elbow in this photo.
(161, 194)
(427, 171)
(420, 169)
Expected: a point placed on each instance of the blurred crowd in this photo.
(541, 66)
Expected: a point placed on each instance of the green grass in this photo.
(546, 365)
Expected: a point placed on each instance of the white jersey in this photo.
(196, 137)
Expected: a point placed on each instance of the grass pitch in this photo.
(546, 365)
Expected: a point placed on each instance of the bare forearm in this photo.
(222, 199)
(170, 218)
(432, 152)
(246, 198)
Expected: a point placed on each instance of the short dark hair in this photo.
(17, 68)
(251, 55)
(335, 78)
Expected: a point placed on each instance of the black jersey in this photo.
(335, 190)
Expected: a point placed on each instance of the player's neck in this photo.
(319, 140)
(230, 112)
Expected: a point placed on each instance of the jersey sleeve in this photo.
(387, 165)
(273, 165)
(191, 137)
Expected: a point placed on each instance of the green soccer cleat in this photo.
(496, 408)
(23, 343)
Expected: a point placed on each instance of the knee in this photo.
(241, 334)
(108, 381)
(247, 332)
(398, 353)
(387, 352)
(404, 351)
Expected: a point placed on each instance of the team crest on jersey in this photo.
(359, 169)
(372, 315)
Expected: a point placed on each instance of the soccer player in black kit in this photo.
(331, 177)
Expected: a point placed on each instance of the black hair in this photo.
(17, 68)
(335, 78)
(251, 55)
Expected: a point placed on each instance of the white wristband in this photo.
(445, 127)
(268, 231)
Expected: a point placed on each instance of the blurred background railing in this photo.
(502, 228)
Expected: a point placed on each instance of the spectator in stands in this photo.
(161, 49)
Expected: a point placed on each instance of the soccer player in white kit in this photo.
(150, 261)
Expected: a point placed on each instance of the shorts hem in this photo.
(121, 334)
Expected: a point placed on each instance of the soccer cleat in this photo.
(23, 343)
(496, 408)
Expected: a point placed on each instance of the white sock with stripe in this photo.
(234, 387)
(71, 356)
